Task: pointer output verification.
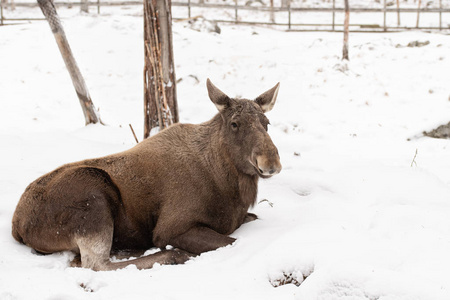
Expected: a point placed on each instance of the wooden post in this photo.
(189, 9)
(418, 13)
(235, 11)
(440, 14)
(334, 14)
(160, 102)
(1, 13)
(98, 6)
(346, 29)
(49, 11)
(398, 12)
(272, 13)
(289, 14)
(84, 7)
(384, 15)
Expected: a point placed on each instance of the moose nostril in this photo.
(261, 171)
(271, 171)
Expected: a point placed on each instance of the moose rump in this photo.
(189, 186)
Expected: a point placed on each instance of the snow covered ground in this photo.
(352, 211)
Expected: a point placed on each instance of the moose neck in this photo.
(221, 163)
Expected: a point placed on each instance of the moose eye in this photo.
(234, 125)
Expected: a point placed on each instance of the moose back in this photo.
(189, 186)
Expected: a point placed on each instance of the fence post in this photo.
(289, 14)
(384, 15)
(346, 30)
(189, 9)
(1, 13)
(418, 13)
(84, 6)
(440, 14)
(272, 14)
(235, 11)
(98, 6)
(334, 14)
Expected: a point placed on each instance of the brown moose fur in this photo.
(189, 186)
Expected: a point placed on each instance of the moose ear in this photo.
(219, 98)
(267, 100)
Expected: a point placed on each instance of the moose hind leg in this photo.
(95, 253)
(95, 250)
(164, 257)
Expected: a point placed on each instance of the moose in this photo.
(189, 186)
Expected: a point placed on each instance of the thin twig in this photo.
(134, 134)
(414, 159)
(188, 19)
(265, 200)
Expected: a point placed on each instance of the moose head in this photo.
(244, 131)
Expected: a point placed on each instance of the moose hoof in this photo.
(177, 256)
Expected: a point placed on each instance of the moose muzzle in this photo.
(268, 165)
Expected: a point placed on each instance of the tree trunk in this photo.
(346, 24)
(49, 11)
(160, 100)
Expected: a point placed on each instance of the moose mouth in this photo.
(259, 171)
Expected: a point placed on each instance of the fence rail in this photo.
(287, 11)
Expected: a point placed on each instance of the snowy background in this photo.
(352, 211)
(320, 18)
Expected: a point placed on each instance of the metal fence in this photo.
(294, 18)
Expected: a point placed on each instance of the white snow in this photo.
(351, 211)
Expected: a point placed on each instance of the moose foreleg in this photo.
(200, 239)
